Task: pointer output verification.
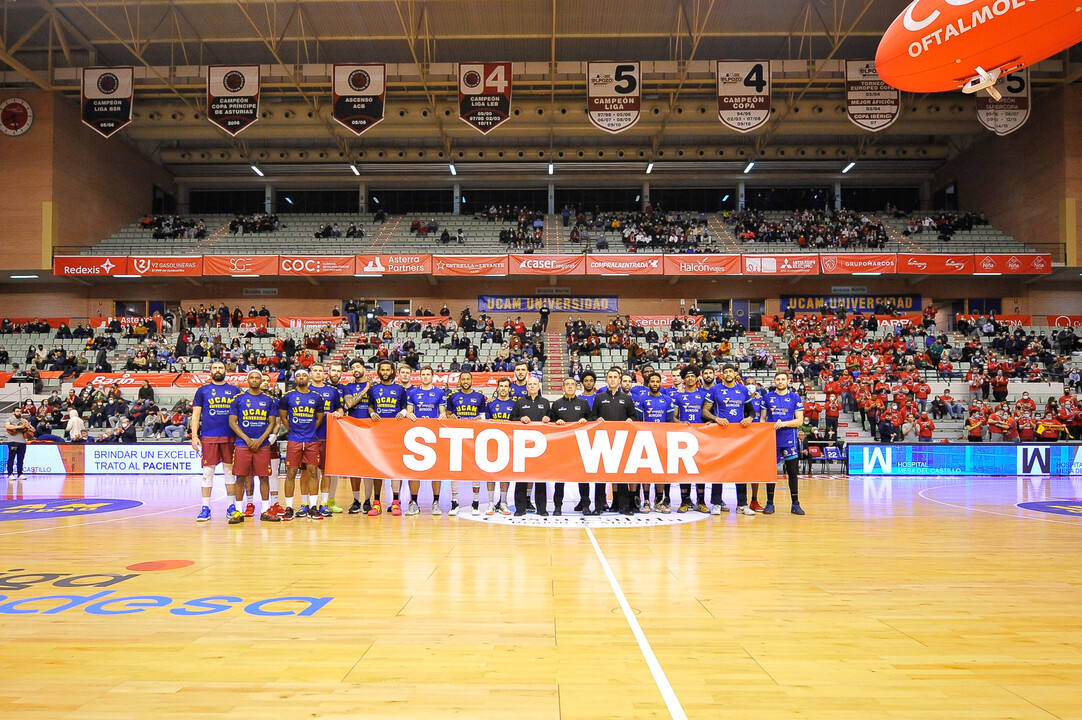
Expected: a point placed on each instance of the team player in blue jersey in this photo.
(301, 413)
(212, 436)
(253, 417)
(387, 399)
(500, 408)
(784, 408)
(468, 404)
(729, 403)
(689, 404)
(332, 404)
(656, 408)
(355, 405)
(756, 401)
(589, 387)
(427, 401)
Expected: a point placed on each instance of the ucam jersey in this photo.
(728, 401)
(426, 403)
(254, 413)
(386, 399)
(655, 408)
(783, 407)
(215, 401)
(689, 405)
(332, 400)
(518, 391)
(360, 410)
(500, 409)
(466, 404)
(589, 398)
(301, 409)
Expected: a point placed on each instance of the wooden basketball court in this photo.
(903, 598)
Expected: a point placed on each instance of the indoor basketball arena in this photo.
(540, 359)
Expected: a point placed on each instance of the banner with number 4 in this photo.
(743, 94)
(484, 94)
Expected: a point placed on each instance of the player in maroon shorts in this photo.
(212, 435)
(301, 414)
(253, 417)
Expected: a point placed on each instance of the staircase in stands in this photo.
(386, 232)
(553, 233)
(556, 364)
(721, 231)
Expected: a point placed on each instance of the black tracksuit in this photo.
(613, 406)
(537, 409)
(571, 411)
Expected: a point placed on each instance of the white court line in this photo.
(676, 710)
(1016, 516)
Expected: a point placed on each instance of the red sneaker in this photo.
(276, 511)
(396, 508)
(756, 506)
(249, 510)
(377, 509)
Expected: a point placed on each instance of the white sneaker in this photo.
(22, 477)
(437, 510)
(504, 510)
(744, 510)
(715, 510)
(491, 509)
(412, 509)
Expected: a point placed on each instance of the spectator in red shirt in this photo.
(1026, 403)
(922, 391)
(974, 428)
(925, 428)
(946, 369)
(1027, 427)
(812, 410)
(997, 425)
(833, 411)
(999, 387)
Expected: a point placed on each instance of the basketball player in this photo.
(427, 401)
(500, 408)
(387, 399)
(331, 404)
(212, 435)
(589, 388)
(252, 417)
(570, 409)
(468, 404)
(301, 413)
(355, 404)
(708, 378)
(783, 407)
(654, 407)
(689, 409)
(518, 386)
(729, 402)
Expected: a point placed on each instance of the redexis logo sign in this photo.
(24, 592)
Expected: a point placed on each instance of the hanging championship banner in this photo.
(870, 102)
(107, 98)
(1010, 113)
(743, 94)
(358, 95)
(233, 96)
(613, 95)
(484, 94)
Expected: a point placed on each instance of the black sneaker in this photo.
(355, 508)
(543, 512)
(558, 512)
(519, 512)
(366, 507)
(582, 506)
(289, 514)
(530, 507)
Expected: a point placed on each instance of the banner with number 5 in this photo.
(743, 94)
(613, 95)
(484, 94)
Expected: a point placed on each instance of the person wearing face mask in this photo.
(211, 434)
(1026, 403)
(925, 428)
(19, 433)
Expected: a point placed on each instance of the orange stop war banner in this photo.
(610, 452)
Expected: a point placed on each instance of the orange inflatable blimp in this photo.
(943, 45)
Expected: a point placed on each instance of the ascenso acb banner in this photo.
(543, 452)
(531, 304)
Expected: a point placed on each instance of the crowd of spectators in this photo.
(174, 227)
(255, 223)
(651, 230)
(810, 229)
(331, 230)
(943, 224)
